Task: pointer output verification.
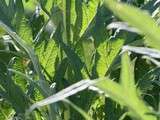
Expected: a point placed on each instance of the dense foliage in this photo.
(79, 59)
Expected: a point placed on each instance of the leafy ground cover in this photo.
(79, 60)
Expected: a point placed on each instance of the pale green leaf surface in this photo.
(89, 11)
(107, 51)
(127, 74)
(25, 32)
(47, 56)
(88, 53)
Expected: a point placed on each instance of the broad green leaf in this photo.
(85, 13)
(25, 32)
(30, 6)
(137, 18)
(75, 16)
(47, 53)
(89, 11)
(102, 64)
(107, 53)
(88, 53)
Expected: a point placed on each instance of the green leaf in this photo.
(127, 76)
(137, 18)
(89, 11)
(17, 11)
(107, 53)
(47, 53)
(30, 6)
(136, 106)
(47, 4)
(79, 110)
(111, 89)
(6, 111)
(88, 53)
(20, 65)
(74, 60)
(85, 13)
(25, 31)
(30, 52)
(14, 94)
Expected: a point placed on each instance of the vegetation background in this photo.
(79, 59)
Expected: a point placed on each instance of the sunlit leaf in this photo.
(137, 18)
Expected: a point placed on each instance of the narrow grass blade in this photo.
(27, 49)
(71, 90)
(142, 50)
(127, 74)
(122, 26)
(30, 53)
